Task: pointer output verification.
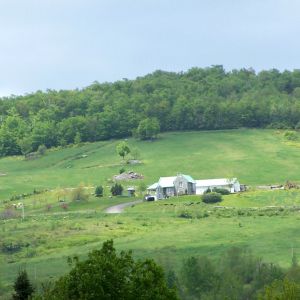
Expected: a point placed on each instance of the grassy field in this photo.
(170, 230)
(254, 156)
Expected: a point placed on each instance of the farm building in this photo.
(232, 185)
(186, 185)
(173, 186)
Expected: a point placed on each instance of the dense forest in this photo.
(199, 99)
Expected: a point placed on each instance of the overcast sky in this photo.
(67, 44)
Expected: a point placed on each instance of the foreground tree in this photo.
(22, 287)
(109, 275)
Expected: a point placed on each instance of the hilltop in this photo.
(199, 99)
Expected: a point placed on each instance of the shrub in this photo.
(221, 191)
(185, 214)
(290, 135)
(122, 170)
(211, 197)
(207, 191)
(42, 149)
(99, 191)
(79, 194)
(116, 189)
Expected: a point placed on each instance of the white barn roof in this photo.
(166, 181)
(215, 182)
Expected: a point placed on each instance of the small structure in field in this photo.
(131, 191)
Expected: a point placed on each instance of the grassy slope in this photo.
(152, 229)
(254, 156)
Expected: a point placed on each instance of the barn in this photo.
(232, 185)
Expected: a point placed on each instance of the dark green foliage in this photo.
(116, 189)
(208, 191)
(290, 135)
(23, 288)
(198, 99)
(99, 191)
(199, 276)
(211, 197)
(122, 170)
(221, 191)
(148, 129)
(237, 275)
(105, 274)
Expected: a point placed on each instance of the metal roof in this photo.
(189, 178)
(166, 181)
(153, 186)
(215, 182)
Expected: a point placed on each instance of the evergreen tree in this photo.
(22, 286)
(99, 191)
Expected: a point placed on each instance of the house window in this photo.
(180, 184)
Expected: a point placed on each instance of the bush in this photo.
(290, 135)
(207, 191)
(221, 191)
(211, 197)
(116, 189)
(99, 191)
(79, 194)
(122, 170)
(185, 214)
(42, 149)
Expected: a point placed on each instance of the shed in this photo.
(131, 191)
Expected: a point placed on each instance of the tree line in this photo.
(199, 99)
(108, 274)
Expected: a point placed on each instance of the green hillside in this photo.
(254, 156)
(50, 233)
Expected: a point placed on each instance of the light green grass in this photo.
(254, 156)
(152, 229)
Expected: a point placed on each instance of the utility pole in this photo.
(23, 211)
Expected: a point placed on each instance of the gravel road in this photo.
(117, 209)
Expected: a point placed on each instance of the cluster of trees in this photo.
(237, 275)
(208, 98)
(108, 274)
(105, 274)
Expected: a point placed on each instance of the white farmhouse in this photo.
(173, 186)
(186, 185)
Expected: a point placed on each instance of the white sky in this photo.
(67, 44)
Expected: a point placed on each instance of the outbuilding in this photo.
(232, 185)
